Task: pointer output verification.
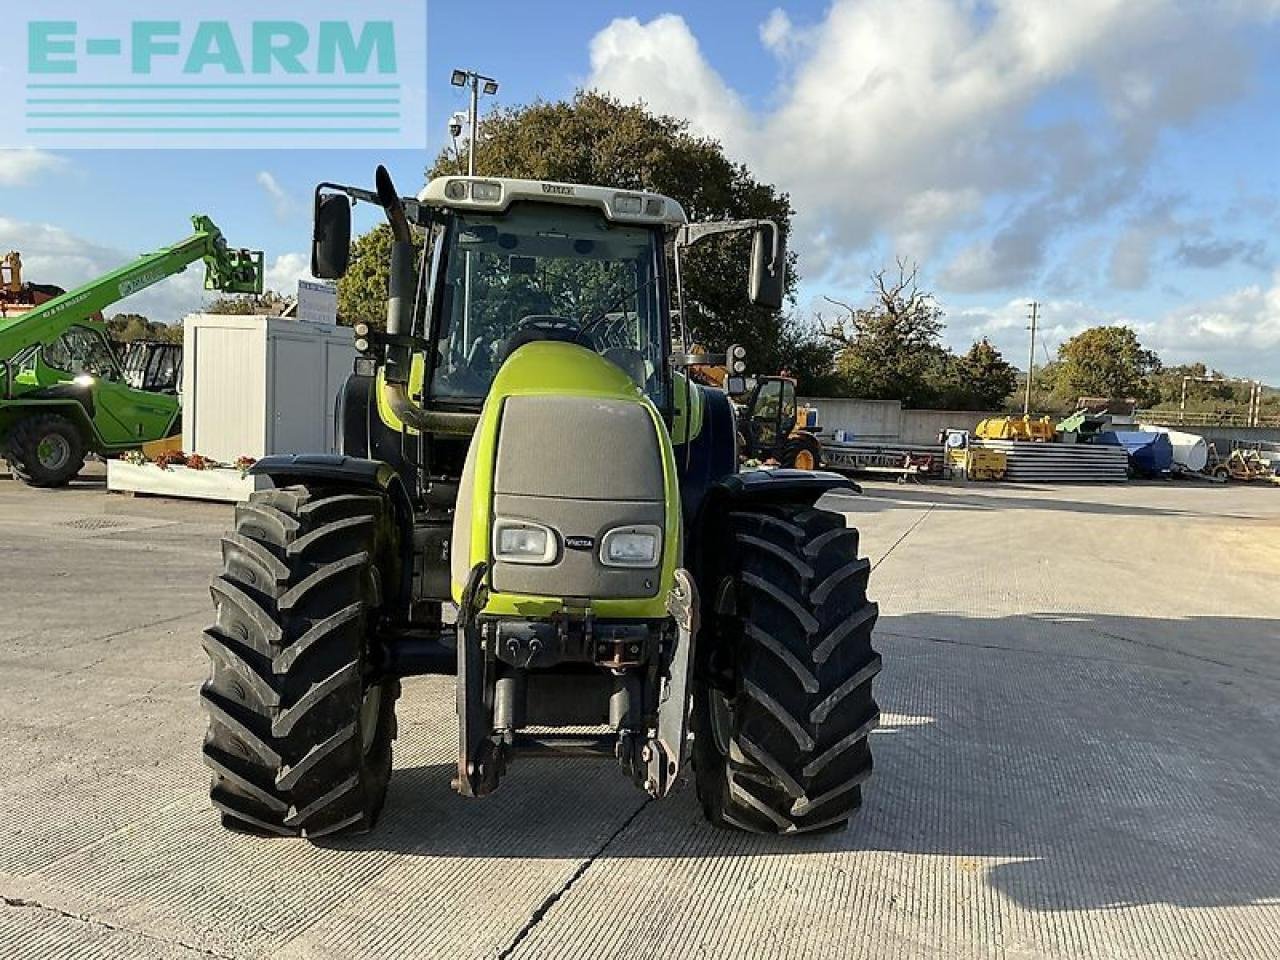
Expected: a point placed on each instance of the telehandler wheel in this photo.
(45, 450)
(802, 451)
(784, 747)
(300, 730)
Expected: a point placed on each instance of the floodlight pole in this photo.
(475, 124)
(471, 78)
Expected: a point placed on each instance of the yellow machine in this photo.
(1016, 428)
(967, 462)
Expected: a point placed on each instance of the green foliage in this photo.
(596, 139)
(270, 303)
(986, 376)
(362, 293)
(1107, 362)
(124, 327)
(893, 350)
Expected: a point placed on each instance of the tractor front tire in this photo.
(781, 738)
(45, 450)
(300, 729)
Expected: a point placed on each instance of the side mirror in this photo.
(768, 281)
(331, 238)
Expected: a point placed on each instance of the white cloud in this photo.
(898, 121)
(283, 203)
(660, 63)
(1238, 333)
(285, 271)
(778, 34)
(20, 167)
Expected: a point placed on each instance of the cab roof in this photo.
(496, 194)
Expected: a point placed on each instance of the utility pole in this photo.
(1031, 358)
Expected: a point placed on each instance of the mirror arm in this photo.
(414, 211)
(694, 233)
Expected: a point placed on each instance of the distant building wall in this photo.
(868, 419)
(923, 426)
(873, 420)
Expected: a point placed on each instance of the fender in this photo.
(326, 468)
(70, 407)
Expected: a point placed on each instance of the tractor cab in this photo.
(515, 264)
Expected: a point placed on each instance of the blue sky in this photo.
(1116, 161)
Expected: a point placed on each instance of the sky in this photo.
(1117, 161)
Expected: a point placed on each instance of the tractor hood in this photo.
(569, 490)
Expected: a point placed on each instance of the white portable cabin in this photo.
(254, 386)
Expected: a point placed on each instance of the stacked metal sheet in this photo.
(1061, 462)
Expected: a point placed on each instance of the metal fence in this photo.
(1204, 418)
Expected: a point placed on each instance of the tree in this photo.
(893, 349)
(593, 138)
(987, 377)
(270, 303)
(362, 291)
(1107, 362)
(124, 327)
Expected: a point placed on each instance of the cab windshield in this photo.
(547, 272)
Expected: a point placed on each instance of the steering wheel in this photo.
(542, 326)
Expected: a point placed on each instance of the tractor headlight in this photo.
(631, 547)
(519, 541)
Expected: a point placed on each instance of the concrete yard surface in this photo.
(1079, 758)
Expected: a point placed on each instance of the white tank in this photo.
(1190, 450)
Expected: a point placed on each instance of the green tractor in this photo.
(535, 498)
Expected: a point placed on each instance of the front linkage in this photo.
(650, 663)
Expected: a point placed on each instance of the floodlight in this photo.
(459, 78)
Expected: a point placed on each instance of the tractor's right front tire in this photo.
(782, 724)
(300, 729)
(45, 450)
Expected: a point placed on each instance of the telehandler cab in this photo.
(523, 447)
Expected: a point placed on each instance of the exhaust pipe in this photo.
(401, 291)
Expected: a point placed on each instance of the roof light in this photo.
(483, 192)
(653, 206)
(627, 203)
(456, 190)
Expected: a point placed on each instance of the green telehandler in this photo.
(534, 497)
(63, 392)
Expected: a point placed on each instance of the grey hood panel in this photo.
(580, 448)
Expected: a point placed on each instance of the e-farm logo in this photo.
(274, 73)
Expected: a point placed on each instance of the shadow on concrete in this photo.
(878, 499)
(1065, 760)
